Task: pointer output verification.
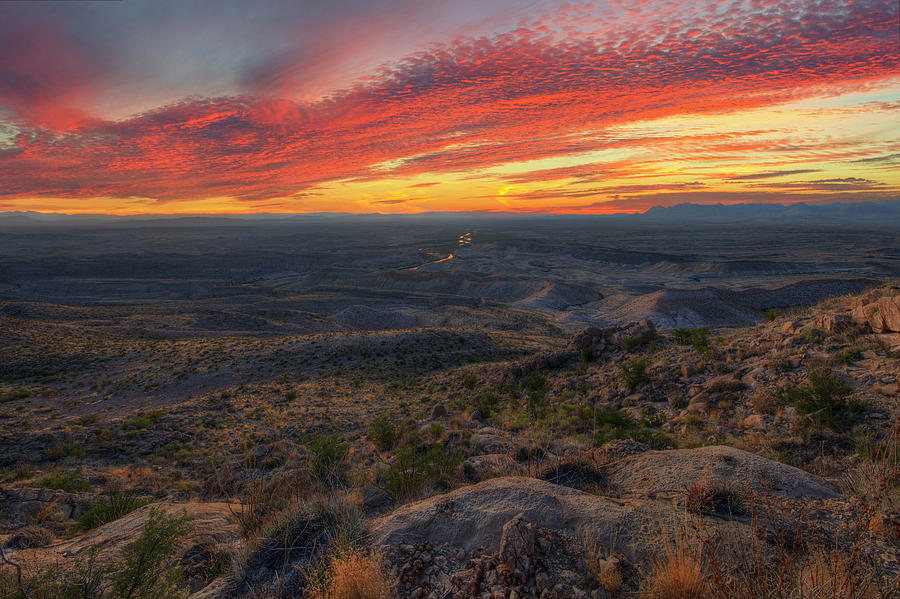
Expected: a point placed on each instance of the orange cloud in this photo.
(542, 91)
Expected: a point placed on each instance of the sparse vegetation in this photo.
(300, 434)
(147, 569)
(69, 482)
(771, 314)
(824, 398)
(697, 338)
(329, 458)
(634, 372)
(109, 507)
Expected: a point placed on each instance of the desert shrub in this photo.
(587, 355)
(469, 381)
(353, 574)
(64, 449)
(814, 335)
(771, 314)
(678, 575)
(634, 372)
(290, 395)
(655, 420)
(536, 381)
(824, 398)
(146, 570)
(292, 549)
(608, 424)
(536, 404)
(13, 394)
(383, 433)
(697, 338)
(703, 497)
(111, 507)
(630, 344)
(69, 482)
(142, 421)
(416, 467)
(329, 458)
(486, 405)
(779, 363)
(849, 355)
(727, 386)
(29, 537)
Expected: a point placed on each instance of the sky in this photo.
(392, 106)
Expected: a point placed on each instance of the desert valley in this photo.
(451, 405)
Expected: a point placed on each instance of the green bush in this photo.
(634, 372)
(608, 424)
(696, 338)
(587, 355)
(146, 570)
(485, 405)
(329, 454)
(111, 507)
(142, 421)
(824, 398)
(69, 482)
(814, 335)
(771, 314)
(14, 394)
(414, 467)
(383, 433)
(849, 355)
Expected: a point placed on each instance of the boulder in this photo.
(438, 411)
(473, 517)
(589, 337)
(835, 323)
(517, 539)
(480, 467)
(376, 500)
(619, 448)
(881, 316)
(541, 361)
(669, 472)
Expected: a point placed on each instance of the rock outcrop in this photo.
(522, 534)
(881, 315)
(669, 472)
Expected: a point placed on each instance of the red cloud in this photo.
(471, 104)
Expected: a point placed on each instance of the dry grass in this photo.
(826, 575)
(605, 571)
(677, 576)
(355, 574)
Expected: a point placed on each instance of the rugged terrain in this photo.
(542, 415)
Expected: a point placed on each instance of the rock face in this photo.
(520, 533)
(881, 316)
(589, 337)
(660, 473)
(835, 323)
(640, 333)
(26, 505)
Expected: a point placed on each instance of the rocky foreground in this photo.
(633, 462)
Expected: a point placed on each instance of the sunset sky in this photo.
(464, 105)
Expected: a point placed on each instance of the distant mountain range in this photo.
(887, 211)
